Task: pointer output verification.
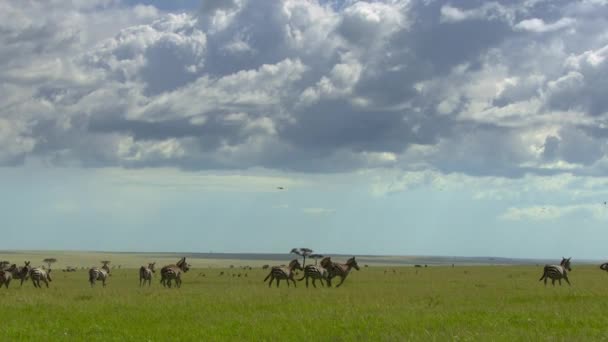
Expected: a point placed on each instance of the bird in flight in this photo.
(280, 187)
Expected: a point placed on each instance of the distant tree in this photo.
(50, 261)
(303, 252)
(316, 257)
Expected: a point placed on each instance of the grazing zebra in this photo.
(338, 270)
(314, 272)
(5, 278)
(279, 273)
(145, 274)
(99, 273)
(557, 272)
(20, 272)
(171, 272)
(604, 266)
(40, 274)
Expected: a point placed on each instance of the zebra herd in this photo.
(323, 272)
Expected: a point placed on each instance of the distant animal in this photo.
(557, 272)
(417, 265)
(99, 273)
(265, 267)
(283, 273)
(280, 187)
(174, 272)
(145, 274)
(5, 278)
(40, 274)
(604, 266)
(338, 270)
(315, 272)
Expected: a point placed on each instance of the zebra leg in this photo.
(287, 282)
(552, 281)
(567, 281)
(545, 281)
(22, 280)
(313, 282)
(294, 282)
(47, 283)
(341, 281)
(278, 280)
(560, 281)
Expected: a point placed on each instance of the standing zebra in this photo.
(604, 266)
(279, 273)
(557, 272)
(40, 274)
(170, 272)
(315, 272)
(97, 273)
(5, 278)
(338, 270)
(145, 274)
(20, 272)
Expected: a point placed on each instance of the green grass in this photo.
(500, 303)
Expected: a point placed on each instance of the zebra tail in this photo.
(543, 276)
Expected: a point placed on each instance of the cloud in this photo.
(550, 212)
(318, 211)
(482, 89)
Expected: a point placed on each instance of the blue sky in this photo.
(463, 128)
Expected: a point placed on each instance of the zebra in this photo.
(145, 274)
(280, 272)
(20, 272)
(170, 272)
(99, 273)
(557, 272)
(604, 266)
(338, 270)
(5, 278)
(314, 272)
(40, 274)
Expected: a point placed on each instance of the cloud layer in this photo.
(484, 89)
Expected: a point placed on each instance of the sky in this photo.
(394, 127)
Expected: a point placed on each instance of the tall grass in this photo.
(430, 304)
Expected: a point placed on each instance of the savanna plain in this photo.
(377, 303)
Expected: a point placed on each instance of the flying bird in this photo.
(280, 187)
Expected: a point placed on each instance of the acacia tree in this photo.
(303, 252)
(50, 261)
(315, 257)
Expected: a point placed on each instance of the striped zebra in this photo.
(20, 272)
(604, 266)
(5, 278)
(279, 273)
(338, 270)
(99, 273)
(314, 272)
(145, 274)
(174, 272)
(557, 272)
(40, 274)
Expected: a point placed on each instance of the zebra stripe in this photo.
(145, 274)
(39, 274)
(174, 272)
(315, 272)
(283, 273)
(557, 272)
(338, 270)
(96, 273)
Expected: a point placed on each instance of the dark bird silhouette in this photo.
(280, 188)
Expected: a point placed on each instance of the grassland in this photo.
(502, 303)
